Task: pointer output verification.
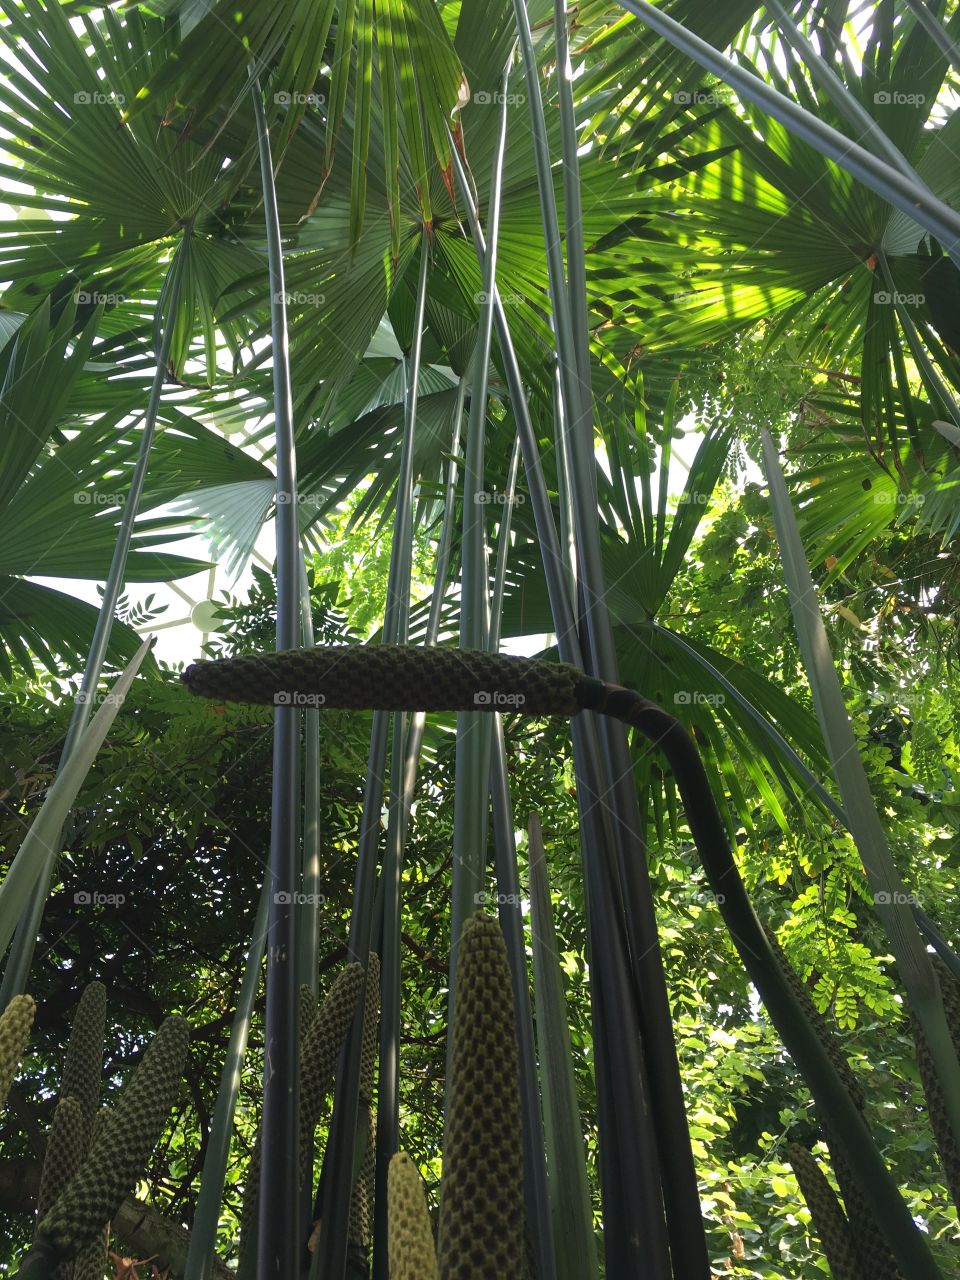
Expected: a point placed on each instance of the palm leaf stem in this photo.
(278, 1234)
(20, 959)
(329, 1259)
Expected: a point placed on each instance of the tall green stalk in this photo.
(890, 898)
(470, 809)
(388, 1097)
(206, 1218)
(20, 959)
(309, 923)
(329, 1259)
(572, 1210)
(621, 1105)
(672, 1155)
(509, 896)
(278, 1237)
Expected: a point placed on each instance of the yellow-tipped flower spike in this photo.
(15, 1023)
(410, 1245)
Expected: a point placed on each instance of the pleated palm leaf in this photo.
(356, 180)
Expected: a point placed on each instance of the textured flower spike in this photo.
(936, 1105)
(393, 678)
(361, 1203)
(829, 1220)
(64, 1153)
(15, 1023)
(66, 1143)
(410, 1244)
(83, 1065)
(308, 1010)
(119, 1156)
(371, 1028)
(91, 1263)
(875, 1258)
(481, 1196)
(320, 1047)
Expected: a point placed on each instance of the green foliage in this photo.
(732, 282)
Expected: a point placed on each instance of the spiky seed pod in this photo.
(64, 1153)
(83, 1065)
(371, 1028)
(308, 1010)
(15, 1023)
(827, 1039)
(361, 1202)
(829, 1221)
(123, 1147)
(410, 1244)
(319, 1050)
(481, 1207)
